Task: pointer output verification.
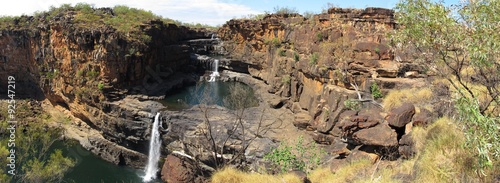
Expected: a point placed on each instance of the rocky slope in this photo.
(317, 64)
(89, 69)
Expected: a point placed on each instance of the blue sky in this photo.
(212, 12)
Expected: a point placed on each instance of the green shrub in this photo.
(481, 132)
(100, 86)
(352, 104)
(314, 59)
(282, 52)
(273, 42)
(296, 57)
(301, 157)
(319, 36)
(375, 90)
(92, 74)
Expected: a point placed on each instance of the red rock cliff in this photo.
(313, 62)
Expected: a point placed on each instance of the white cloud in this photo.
(212, 12)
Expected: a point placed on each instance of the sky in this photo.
(211, 12)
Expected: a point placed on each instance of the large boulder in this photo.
(401, 116)
(380, 135)
(179, 169)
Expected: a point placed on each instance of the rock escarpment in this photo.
(89, 69)
(320, 64)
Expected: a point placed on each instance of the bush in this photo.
(375, 90)
(93, 74)
(314, 59)
(296, 57)
(285, 10)
(301, 157)
(282, 52)
(273, 42)
(100, 86)
(481, 132)
(352, 104)
(319, 36)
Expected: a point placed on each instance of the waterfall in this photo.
(215, 72)
(154, 151)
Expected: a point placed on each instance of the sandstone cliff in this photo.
(316, 63)
(86, 68)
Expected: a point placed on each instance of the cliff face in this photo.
(316, 62)
(86, 69)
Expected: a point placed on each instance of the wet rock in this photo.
(380, 135)
(400, 116)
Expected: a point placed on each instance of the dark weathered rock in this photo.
(407, 146)
(116, 154)
(302, 175)
(179, 169)
(340, 149)
(381, 135)
(322, 138)
(423, 118)
(400, 116)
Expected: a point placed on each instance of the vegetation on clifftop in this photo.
(124, 19)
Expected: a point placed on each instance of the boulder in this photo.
(423, 118)
(322, 138)
(362, 155)
(407, 146)
(380, 135)
(179, 169)
(301, 120)
(401, 116)
(340, 149)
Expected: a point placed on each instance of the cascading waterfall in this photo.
(154, 151)
(215, 72)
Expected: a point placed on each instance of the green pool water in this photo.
(188, 96)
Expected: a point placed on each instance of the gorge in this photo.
(320, 78)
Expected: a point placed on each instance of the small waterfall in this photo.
(215, 72)
(154, 151)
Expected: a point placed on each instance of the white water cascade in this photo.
(215, 72)
(154, 151)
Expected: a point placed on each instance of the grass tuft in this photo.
(396, 98)
(236, 176)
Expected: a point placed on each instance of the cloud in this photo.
(212, 12)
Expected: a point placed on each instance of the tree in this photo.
(222, 143)
(461, 43)
(35, 161)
